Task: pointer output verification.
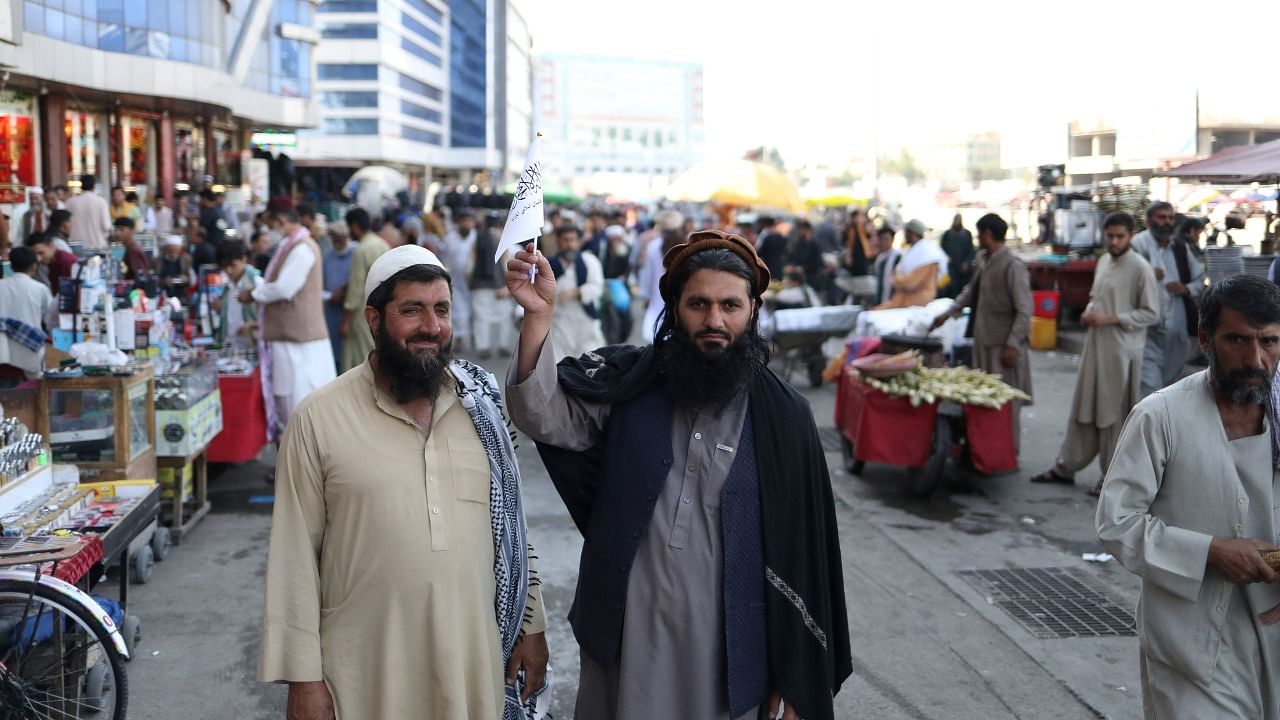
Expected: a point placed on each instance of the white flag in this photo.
(525, 221)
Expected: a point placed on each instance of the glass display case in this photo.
(104, 424)
(186, 387)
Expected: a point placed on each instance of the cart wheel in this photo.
(131, 629)
(95, 687)
(161, 543)
(851, 464)
(144, 564)
(923, 481)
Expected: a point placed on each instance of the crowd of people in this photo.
(710, 582)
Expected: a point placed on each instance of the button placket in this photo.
(436, 520)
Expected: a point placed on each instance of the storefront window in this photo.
(227, 148)
(84, 143)
(189, 155)
(138, 163)
(17, 147)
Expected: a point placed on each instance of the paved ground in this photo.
(926, 645)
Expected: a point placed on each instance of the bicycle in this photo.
(61, 654)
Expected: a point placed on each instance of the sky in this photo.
(825, 80)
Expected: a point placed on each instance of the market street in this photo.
(925, 643)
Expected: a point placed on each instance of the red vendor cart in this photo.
(879, 428)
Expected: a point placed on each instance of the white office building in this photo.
(617, 124)
(419, 85)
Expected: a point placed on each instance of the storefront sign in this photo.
(274, 140)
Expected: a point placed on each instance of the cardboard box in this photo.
(168, 479)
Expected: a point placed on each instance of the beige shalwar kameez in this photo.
(1176, 483)
(1001, 291)
(380, 576)
(1108, 384)
(358, 343)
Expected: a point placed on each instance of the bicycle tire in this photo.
(19, 592)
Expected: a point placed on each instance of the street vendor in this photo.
(1000, 299)
(920, 272)
(173, 265)
(398, 581)
(238, 321)
(710, 583)
(1188, 506)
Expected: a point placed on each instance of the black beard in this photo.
(1232, 384)
(412, 376)
(1162, 233)
(699, 380)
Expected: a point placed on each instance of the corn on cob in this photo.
(961, 385)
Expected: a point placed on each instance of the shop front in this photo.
(17, 146)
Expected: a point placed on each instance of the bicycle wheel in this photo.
(56, 660)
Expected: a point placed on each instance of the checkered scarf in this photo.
(478, 393)
(29, 336)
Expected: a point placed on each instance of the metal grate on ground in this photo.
(1053, 602)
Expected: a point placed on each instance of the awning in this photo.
(1244, 164)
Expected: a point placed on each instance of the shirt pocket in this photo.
(470, 467)
(721, 465)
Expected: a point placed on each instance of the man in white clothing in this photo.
(25, 305)
(297, 354)
(1188, 505)
(580, 285)
(459, 246)
(668, 224)
(91, 217)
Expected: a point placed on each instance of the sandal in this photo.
(1052, 477)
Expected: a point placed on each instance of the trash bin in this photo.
(1044, 333)
(1046, 303)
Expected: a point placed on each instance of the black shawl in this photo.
(807, 622)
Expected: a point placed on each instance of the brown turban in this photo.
(712, 240)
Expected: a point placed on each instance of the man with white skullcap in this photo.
(399, 581)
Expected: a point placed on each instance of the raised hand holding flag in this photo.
(527, 215)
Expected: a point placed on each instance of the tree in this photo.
(903, 165)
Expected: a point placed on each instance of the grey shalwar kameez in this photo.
(1169, 346)
(672, 663)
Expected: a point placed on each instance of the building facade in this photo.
(1152, 134)
(423, 86)
(152, 96)
(616, 124)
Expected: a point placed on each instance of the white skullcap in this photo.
(172, 241)
(395, 260)
(670, 220)
(615, 231)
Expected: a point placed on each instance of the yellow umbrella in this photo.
(835, 200)
(740, 183)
